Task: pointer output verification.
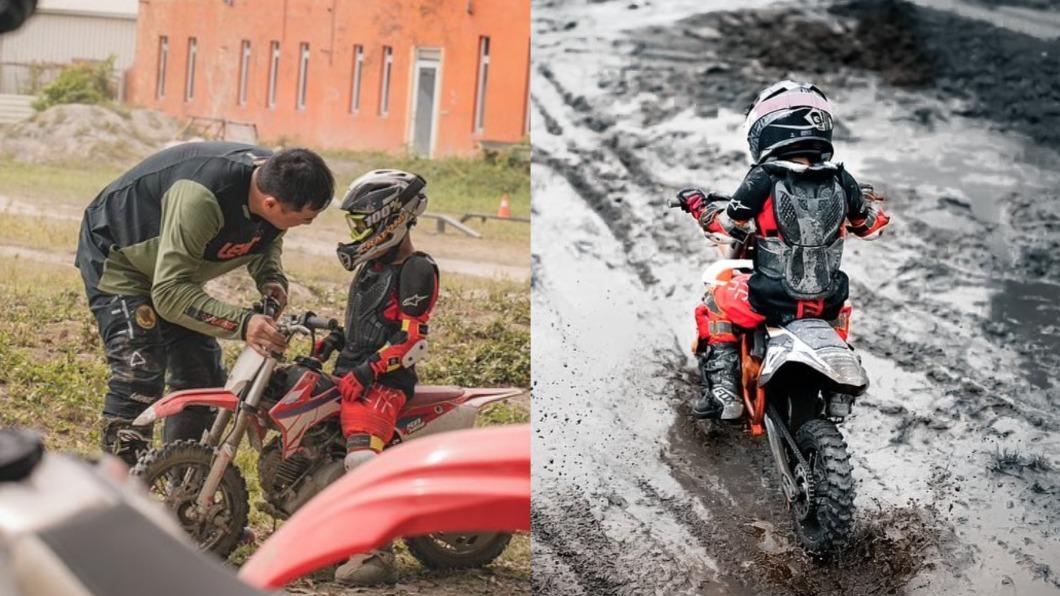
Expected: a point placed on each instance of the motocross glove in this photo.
(692, 201)
(336, 340)
(351, 387)
(708, 219)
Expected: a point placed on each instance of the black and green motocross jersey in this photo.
(174, 222)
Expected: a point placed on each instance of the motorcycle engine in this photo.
(288, 483)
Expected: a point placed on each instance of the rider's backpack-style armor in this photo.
(809, 213)
(367, 329)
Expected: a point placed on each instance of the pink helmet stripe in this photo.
(796, 98)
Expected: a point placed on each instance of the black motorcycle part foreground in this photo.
(830, 520)
(156, 463)
(116, 551)
(20, 452)
(476, 550)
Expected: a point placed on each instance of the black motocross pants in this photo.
(141, 349)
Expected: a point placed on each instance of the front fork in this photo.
(779, 434)
(226, 452)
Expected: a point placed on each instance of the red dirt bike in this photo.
(798, 381)
(198, 481)
(71, 527)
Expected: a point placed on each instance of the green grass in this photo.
(72, 184)
(454, 185)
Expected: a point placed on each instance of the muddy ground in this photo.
(956, 444)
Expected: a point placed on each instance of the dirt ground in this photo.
(955, 446)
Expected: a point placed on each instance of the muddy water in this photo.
(956, 444)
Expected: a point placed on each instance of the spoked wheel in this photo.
(823, 510)
(174, 475)
(451, 550)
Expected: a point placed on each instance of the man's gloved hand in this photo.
(351, 387)
(274, 290)
(692, 201)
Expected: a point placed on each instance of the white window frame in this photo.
(481, 83)
(384, 88)
(274, 73)
(358, 76)
(163, 59)
(189, 81)
(244, 72)
(303, 76)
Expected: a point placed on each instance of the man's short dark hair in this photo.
(297, 178)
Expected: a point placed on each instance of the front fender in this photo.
(175, 403)
(474, 480)
(833, 359)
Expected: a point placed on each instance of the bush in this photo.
(81, 82)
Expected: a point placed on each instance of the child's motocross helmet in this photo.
(789, 119)
(380, 208)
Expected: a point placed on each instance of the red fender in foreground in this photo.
(474, 480)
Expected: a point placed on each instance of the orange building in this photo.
(437, 77)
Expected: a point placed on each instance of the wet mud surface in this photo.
(956, 447)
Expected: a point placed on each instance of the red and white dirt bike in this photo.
(199, 482)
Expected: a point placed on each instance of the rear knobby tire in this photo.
(158, 468)
(457, 551)
(828, 523)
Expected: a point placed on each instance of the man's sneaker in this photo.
(720, 370)
(377, 567)
(124, 440)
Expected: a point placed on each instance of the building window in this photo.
(274, 72)
(244, 72)
(384, 94)
(358, 69)
(303, 74)
(163, 57)
(483, 77)
(189, 83)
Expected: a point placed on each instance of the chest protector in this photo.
(367, 328)
(806, 254)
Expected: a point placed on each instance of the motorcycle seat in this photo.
(427, 395)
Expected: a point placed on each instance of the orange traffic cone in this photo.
(505, 210)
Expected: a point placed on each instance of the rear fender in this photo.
(474, 480)
(815, 344)
(482, 397)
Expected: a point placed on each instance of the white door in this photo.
(423, 119)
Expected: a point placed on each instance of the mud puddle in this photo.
(954, 446)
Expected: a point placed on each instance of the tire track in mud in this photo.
(732, 477)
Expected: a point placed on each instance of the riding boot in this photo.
(119, 437)
(374, 568)
(720, 371)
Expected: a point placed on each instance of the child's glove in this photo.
(350, 387)
(869, 193)
(336, 340)
(692, 201)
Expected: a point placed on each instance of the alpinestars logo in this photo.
(413, 301)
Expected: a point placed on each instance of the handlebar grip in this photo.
(315, 322)
(675, 204)
(270, 307)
